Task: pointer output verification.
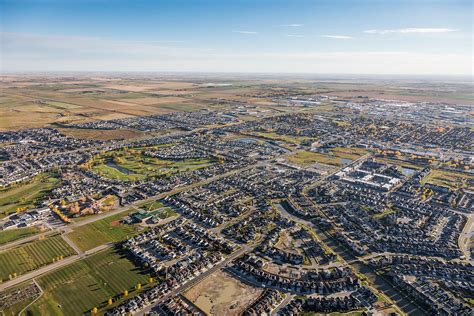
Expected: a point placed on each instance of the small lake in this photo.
(346, 161)
(247, 140)
(408, 171)
(123, 170)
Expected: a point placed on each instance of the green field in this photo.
(335, 157)
(132, 165)
(150, 206)
(295, 140)
(101, 232)
(85, 284)
(453, 180)
(166, 212)
(26, 195)
(32, 256)
(10, 235)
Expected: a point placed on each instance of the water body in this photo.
(123, 170)
(346, 161)
(408, 171)
(248, 140)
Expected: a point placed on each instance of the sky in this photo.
(412, 37)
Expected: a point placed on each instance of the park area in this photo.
(101, 232)
(10, 235)
(450, 179)
(32, 256)
(221, 294)
(339, 156)
(22, 196)
(79, 287)
(132, 165)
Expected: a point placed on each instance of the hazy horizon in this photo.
(307, 37)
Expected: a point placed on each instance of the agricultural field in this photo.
(132, 165)
(10, 235)
(101, 134)
(101, 232)
(25, 195)
(79, 287)
(336, 157)
(32, 256)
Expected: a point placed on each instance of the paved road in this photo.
(72, 244)
(285, 302)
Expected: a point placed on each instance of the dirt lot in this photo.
(221, 294)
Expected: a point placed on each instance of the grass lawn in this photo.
(132, 165)
(296, 140)
(166, 212)
(335, 157)
(85, 284)
(384, 213)
(32, 256)
(453, 180)
(101, 232)
(26, 195)
(150, 206)
(10, 235)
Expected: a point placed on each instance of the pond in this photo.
(346, 161)
(408, 171)
(247, 140)
(123, 170)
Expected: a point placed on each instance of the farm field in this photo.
(101, 232)
(101, 134)
(10, 235)
(23, 196)
(131, 165)
(32, 256)
(88, 283)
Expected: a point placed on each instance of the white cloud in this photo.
(292, 25)
(245, 32)
(423, 30)
(293, 35)
(341, 37)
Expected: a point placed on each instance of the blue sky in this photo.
(369, 37)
